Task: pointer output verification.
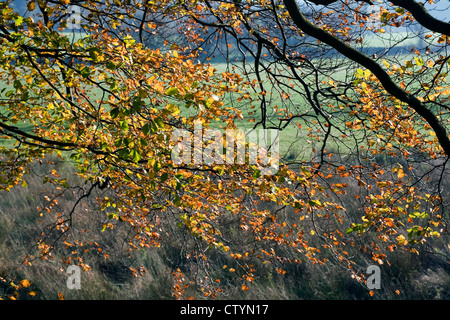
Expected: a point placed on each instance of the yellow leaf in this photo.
(400, 173)
(173, 109)
(401, 240)
(32, 293)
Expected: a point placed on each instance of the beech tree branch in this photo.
(391, 87)
(327, 2)
(423, 17)
(417, 10)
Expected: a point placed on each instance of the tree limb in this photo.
(423, 17)
(417, 10)
(391, 87)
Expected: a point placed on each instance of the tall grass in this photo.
(416, 276)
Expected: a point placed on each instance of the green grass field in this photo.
(293, 141)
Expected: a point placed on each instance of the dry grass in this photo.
(417, 277)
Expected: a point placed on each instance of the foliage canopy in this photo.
(363, 129)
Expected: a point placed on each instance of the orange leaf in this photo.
(25, 283)
(400, 173)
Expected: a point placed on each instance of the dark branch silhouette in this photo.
(303, 24)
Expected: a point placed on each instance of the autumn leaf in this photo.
(402, 240)
(31, 5)
(400, 173)
(25, 283)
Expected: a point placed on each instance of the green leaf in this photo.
(110, 65)
(85, 72)
(18, 21)
(124, 125)
(135, 155)
(314, 203)
(298, 205)
(159, 123)
(75, 156)
(124, 153)
(136, 105)
(17, 84)
(104, 146)
(256, 174)
(146, 129)
(164, 176)
(171, 91)
(118, 142)
(93, 53)
(177, 200)
(143, 142)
